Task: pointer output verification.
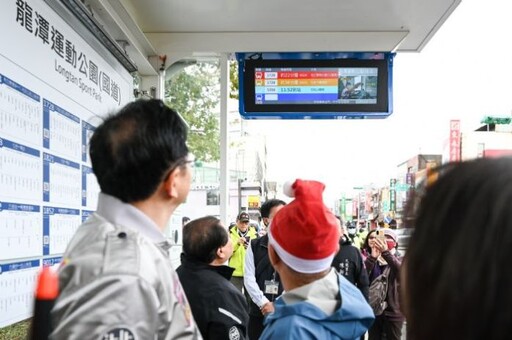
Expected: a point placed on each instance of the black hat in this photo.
(243, 217)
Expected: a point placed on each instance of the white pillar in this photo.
(224, 168)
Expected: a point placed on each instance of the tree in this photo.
(195, 94)
(233, 79)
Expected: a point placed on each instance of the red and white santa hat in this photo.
(305, 233)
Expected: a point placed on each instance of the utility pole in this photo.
(358, 203)
(240, 180)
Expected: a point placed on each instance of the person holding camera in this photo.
(383, 257)
(240, 235)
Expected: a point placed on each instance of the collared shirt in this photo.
(250, 283)
(116, 280)
(119, 213)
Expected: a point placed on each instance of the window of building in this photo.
(213, 197)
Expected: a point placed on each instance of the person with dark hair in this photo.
(269, 208)
(383, 257)
(318, 303)
(116, 278)
(260, 279)
(184, 220)
(349, 262)
(456, 280)
(241, 235)
(219, 308)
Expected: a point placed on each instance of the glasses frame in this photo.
(183, 161)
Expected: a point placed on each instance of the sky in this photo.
(464, 72)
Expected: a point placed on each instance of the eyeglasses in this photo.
(190, 162)
(187, 160)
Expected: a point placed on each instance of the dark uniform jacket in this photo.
(263, 271)
(349, 263)
(220, 310)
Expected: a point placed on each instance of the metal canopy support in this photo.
(81, 13)
(224, 169)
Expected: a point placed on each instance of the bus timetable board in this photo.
(316, 88)
(56, 83)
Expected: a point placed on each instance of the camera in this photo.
(247, 239)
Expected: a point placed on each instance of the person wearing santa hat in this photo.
(318, 303)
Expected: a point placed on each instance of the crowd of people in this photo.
(307, 276)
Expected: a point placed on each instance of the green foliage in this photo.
(233, 79)
(195, 94)
(17, 331)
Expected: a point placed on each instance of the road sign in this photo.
(402, 187)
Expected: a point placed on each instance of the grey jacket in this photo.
(116, 281)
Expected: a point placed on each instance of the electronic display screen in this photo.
(315, 86)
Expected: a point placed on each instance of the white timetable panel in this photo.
(21, 233)
(17, 284)
(59, 225)
(21, 171)
(90, 188)
(56, 84)
(61, 131)
(61, 181)
(20, 112)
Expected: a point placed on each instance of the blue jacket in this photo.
(303, 320)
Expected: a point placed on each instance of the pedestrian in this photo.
(383, 257)
(318, 303)
(260, 278)
(116, 279)
(456, 280)
(241, 234)
(349, 262)
(219, 308)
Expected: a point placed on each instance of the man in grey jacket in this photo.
(116, 279)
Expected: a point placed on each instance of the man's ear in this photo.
(170, 184)
(221, 254)
(266, 221)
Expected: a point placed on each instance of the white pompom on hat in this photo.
(288, 189)
(305, 233)
(391, 234)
